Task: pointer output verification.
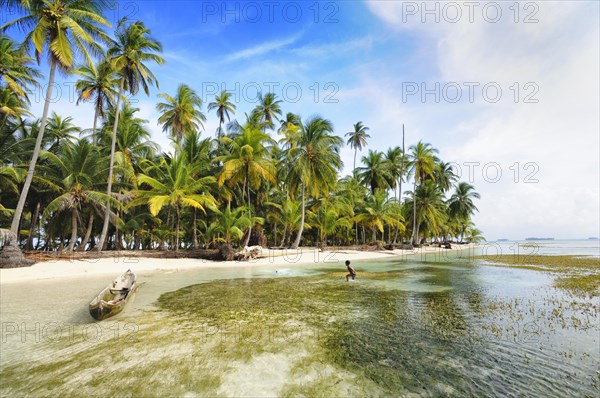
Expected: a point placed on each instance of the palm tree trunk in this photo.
(354, 166)
(283, 237)
(111, 167)
(299, 236)
(94, 138)
(176, 227)
(194, 233)
(401, 169)
(415, 235)
(247, 240)
(14, 227)
(88, 233)
(73, 230)
(34, 221)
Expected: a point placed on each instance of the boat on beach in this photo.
(114, 297)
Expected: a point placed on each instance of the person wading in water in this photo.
(351, 270)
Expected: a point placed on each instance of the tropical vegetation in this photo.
(264, 178)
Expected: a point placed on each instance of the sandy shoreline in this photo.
(270, 257)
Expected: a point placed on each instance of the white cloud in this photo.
(560, 133)
(262, 48)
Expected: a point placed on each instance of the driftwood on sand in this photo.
(228, 253)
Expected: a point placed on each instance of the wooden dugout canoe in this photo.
(114, 297)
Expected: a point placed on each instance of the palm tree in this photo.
(128, 56)
(133, 145)
(354, 192)
(422, 163)
(171, 183)
(332, 216)
(460, 204)
(199, 154)
(231, 224)
(314, 163)
(247, 163)
(97, 85)
(473, 235)
(15, 72)
(288, 213)
(396, 163)
(64, 28)
(378, 212)
(224, 107)
(430, 208)
(375, 174)
(269, 108)
(181, 114)
(291, 122)
(357, 139)
(73, 174)
(444, 176)
(11, 106)
(61, 129)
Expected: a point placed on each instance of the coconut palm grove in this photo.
(270, 177)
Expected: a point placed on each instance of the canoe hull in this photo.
(112, 299)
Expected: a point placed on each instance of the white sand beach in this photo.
(122, 261)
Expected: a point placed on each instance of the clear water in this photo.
(430, 325)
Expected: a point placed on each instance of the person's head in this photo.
(347, 262)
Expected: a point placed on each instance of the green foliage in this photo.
(245, 183)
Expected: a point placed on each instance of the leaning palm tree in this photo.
(181, 114)
(269, 108)
(62, 28)
(314, 163)
(224, 108)
(422, 163)
(128, 55)
(357, 139)
(97, 85)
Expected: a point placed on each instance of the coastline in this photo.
(111, 266)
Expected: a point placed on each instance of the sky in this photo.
(506, 91)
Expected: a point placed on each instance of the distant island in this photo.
(539, 238)
(593, 238)
(502, 240)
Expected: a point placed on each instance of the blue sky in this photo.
(526, 123)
